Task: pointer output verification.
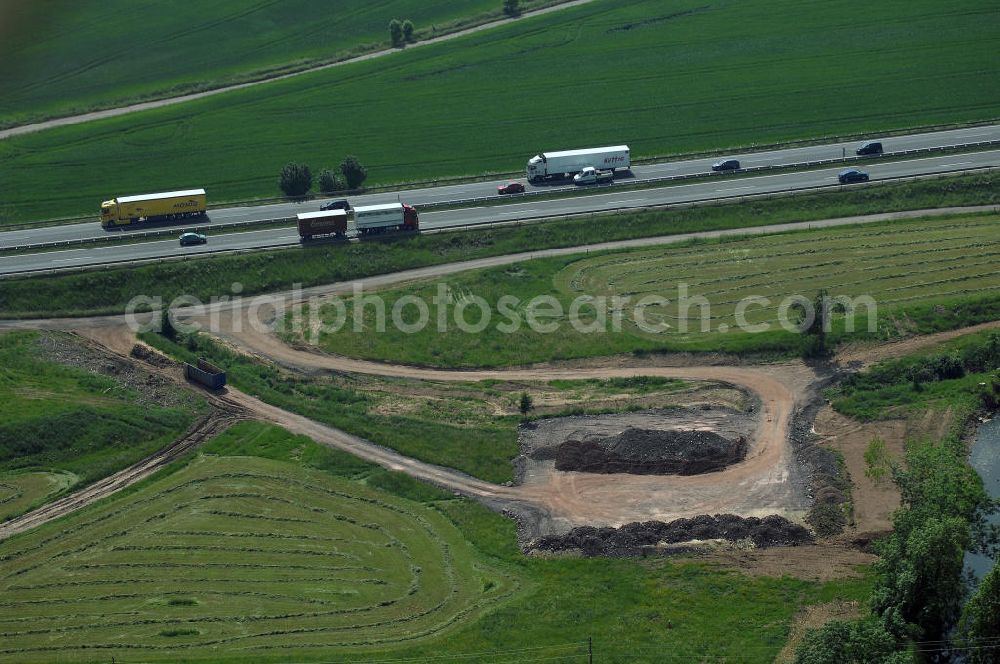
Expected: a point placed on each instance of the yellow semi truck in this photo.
(128, 210)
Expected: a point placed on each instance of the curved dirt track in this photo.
(207, 427)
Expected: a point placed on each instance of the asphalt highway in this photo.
(443, 194)
(607, 199)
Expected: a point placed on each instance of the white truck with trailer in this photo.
(570, 162)
(386, 217)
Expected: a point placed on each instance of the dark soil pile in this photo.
(635, 539)
(652, 452)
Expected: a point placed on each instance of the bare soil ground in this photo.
(813, 617)
(873, 502)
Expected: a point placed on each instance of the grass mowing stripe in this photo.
(892, 269)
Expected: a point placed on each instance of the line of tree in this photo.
(296, 180)
(400, 32)
(920, 587)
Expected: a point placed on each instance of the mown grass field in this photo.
(663, 79)
(19, 492)
(57, 57)
(68, 425)
(109, 291)
(267, 547)
(940, 269)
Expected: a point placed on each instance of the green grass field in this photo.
(72, 425)
(57, 58)
(108, 291)
(665, 80)
(19, 492)
(903, 266)
(267, 547)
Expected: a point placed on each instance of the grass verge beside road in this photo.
(109, 291)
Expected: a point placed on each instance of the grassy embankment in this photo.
(272, 547)
(922, 275)
(109, 291)
(691, 77)
(84, 57)
(468, 426)
(959, 375)
(64, 426)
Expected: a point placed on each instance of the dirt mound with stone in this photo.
(641, 538)
(652, 452)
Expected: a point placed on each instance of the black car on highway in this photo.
(852, 175)
(869, 148)
(190, 239)
(726, 165)
(340, 204)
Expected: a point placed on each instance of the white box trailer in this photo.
(570, 162)
(386, 217)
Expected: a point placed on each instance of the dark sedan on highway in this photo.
(852, 175)
(191, 239)
(726, 165)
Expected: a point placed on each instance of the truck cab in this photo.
(109, 213)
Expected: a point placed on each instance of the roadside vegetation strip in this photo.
(68, 65)
(904, 266)
(398, 572)
(109, 291)
(815, 82)
(61, 416)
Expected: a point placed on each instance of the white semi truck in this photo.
(387, 217)
(569, 162)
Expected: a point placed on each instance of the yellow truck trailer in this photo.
(127, 210)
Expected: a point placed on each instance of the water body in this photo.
(985, 458)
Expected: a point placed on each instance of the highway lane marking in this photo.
(735, 189)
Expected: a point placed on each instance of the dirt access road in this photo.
(765, 483)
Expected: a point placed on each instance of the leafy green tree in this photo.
(296, 180)
(167, 329)
(408, 30)
(330, 181)
(979, 629)
(354, 172)
(396, 32)
(859, 642)
(920, 586)
(525, 404)
(511, 7)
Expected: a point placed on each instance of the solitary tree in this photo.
(330, 181)
(511, 7)
(526, 404)
(296, 180)
(408, 30)
(396, 32)
(167, 328)
(354, 172)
